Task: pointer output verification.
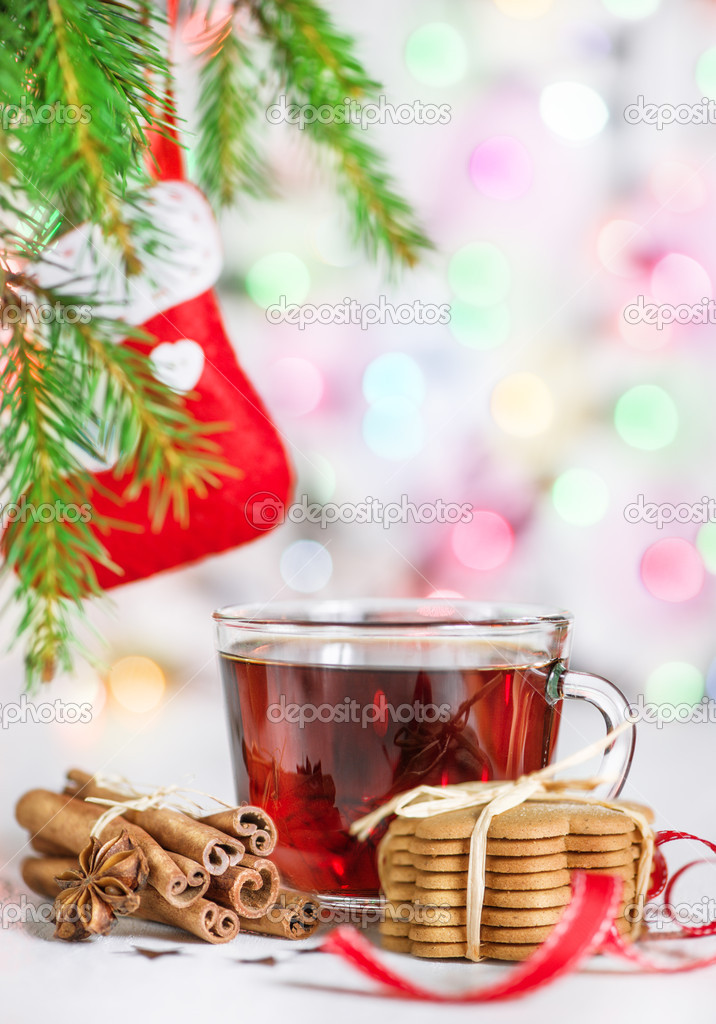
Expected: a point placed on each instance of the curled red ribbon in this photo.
(586, 927)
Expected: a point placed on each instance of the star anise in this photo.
(103, 887)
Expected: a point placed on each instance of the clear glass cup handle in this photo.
(564, 684)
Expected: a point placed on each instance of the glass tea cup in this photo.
(335, 707)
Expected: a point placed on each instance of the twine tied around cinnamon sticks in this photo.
(171, 797)
(500, 796)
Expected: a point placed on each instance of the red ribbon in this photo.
(586, 927)
(666, 884)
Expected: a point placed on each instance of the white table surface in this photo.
(105, 980)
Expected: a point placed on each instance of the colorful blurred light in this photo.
(672, 570)
(524, 9)
(632, 10)
(677, 186)
(646, 417)
(706, 545)
(137, 683)
(573, 110)
(615, 244)
(644, 337)
(275, 275)
(706, 73)
(446, 594)
(296, 386)
(486, 542)
(522, 405)
(436, 54)
(480, 327)
(501, 167)
(675, 682)
(480, 274)
(580, 496)
(306, 566)
(394, 375)
(393, 428)
(677, 279)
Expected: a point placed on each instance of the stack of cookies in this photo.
(531, 852)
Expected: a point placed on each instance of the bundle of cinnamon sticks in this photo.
(211, 876)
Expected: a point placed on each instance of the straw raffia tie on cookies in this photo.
(500, 796)
(172, 797)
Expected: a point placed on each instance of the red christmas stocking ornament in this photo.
(173, 301)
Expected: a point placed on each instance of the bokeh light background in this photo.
(539, 404)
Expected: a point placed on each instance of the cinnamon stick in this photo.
(174, 831)
(202, 917)
(197, 876)
(59, 822)
(249, 889)
(44, 846)
(252, 825)
(295, 915)
(38, 873)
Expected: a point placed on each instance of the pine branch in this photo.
(53, 560)
(84, 99)
(227, 158)
(311, 50)
(57, 382)
(318, 68)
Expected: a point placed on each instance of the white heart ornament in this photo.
(179, 365)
